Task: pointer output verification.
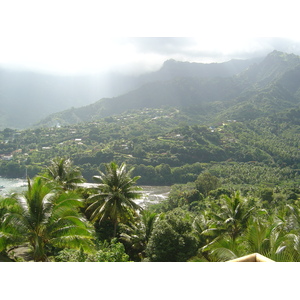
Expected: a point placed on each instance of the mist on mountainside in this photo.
(28, 97)
(267, 86)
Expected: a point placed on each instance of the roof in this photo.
(254, 257)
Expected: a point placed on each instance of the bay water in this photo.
(151, 194)
(10, 185)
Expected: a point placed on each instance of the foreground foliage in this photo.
(115, 195)
(104, 252)
(200, 221)
(43, 219)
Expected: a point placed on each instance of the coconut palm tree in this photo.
(221, 229)
(293, 236)
(206, 232)
(137, 233)
(115, 195)
(265, 235)
(62, 172)
(9, 236)
(233, 216)
(268, 239)
(223, 248)
(43, 218)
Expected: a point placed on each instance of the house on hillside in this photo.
(7, 157)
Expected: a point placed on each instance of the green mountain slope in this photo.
(264, 88)
(27, 97)
(166, 146)
(181, 93)
(242, 131)
(274, 66)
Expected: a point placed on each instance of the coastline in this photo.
(153, 194)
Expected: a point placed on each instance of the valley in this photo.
(218, 120)
(221, 151)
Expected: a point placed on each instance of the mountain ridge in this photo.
(27, 97)
(262, 86)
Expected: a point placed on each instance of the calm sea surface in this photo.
(152, 194)
(8, 185)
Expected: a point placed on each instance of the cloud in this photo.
(290, 45)
(205, 49)
(75, 36)
(68, 38)
(162, 45)
(87, 53)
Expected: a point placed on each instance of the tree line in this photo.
(164, 146)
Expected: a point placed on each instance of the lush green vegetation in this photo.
(225, 225)
(233, 163)
(51, 221)
(200, 221)
(249, 119)
(264, 150)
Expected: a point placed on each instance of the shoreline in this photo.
(151, 193)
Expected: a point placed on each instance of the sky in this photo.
(90, 36)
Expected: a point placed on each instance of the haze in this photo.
(55, 55)
(84, 37)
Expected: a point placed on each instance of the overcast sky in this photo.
(70, 37)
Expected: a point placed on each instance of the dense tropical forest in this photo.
(227, 146)
(59, 219)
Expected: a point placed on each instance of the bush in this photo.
(206, 183)
(107, 252)
(172, 239)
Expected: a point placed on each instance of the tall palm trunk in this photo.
(115, 228)
(38, 245)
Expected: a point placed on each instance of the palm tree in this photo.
(220, 231)
(64, 173)
(43, 218)
(223, 248)
(264, 235)
(137, 233)
(115, 195)
(269, 239)
(293, 237)
(233, 216)
(9, 236)
(205, 231)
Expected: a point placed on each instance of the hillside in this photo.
(245, 132)
(175, 69)
(27, 97)
(166, 146)
(265, 87)
(181, 93)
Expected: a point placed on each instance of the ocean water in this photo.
(151, 194)
(9, 185)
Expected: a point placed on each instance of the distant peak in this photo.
(170, 62)
(276, 53)
(282, 55)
